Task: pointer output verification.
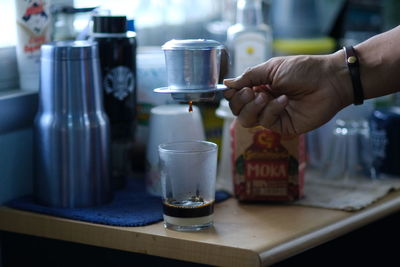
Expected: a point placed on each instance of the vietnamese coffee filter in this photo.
(193, 68)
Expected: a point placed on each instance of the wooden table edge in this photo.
(141, 242)
(328, 233)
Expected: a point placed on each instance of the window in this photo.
(8, 34)
(157, 21)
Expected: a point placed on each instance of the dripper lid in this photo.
(192, 44)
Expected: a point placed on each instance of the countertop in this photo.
(243, 234)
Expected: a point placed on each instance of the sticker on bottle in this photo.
(250, 49)
(33, 30)
(119, 82)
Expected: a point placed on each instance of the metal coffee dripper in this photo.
(193, 68)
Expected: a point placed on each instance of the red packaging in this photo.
(267, 166)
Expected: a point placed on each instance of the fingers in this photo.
(262, 88)
(252, 76)
(273, 111)
(248, 116)
(240, 98)
(228, 94)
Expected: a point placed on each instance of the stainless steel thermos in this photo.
(72, 132)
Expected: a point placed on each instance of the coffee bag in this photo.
(266, 165)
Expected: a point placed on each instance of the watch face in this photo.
(119, 82)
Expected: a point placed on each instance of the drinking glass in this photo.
(188, 173)
(165, 126)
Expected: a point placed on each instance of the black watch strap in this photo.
(354, 69)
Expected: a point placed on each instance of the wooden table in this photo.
(244, 235)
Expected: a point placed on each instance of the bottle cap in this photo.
(109, 24)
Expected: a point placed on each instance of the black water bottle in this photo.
(117, 53)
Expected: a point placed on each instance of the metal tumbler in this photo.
(71, 128)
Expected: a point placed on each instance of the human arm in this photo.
(306, 91)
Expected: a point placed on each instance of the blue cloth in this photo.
(131, 206)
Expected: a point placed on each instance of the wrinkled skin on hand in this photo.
(289, 95)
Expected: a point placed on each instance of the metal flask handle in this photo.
(71, 129)
(225, 63)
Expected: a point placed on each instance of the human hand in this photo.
(302, 93)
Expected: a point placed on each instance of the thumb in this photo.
(253, 76)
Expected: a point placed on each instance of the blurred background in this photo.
(158, 21)
(297, 26)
